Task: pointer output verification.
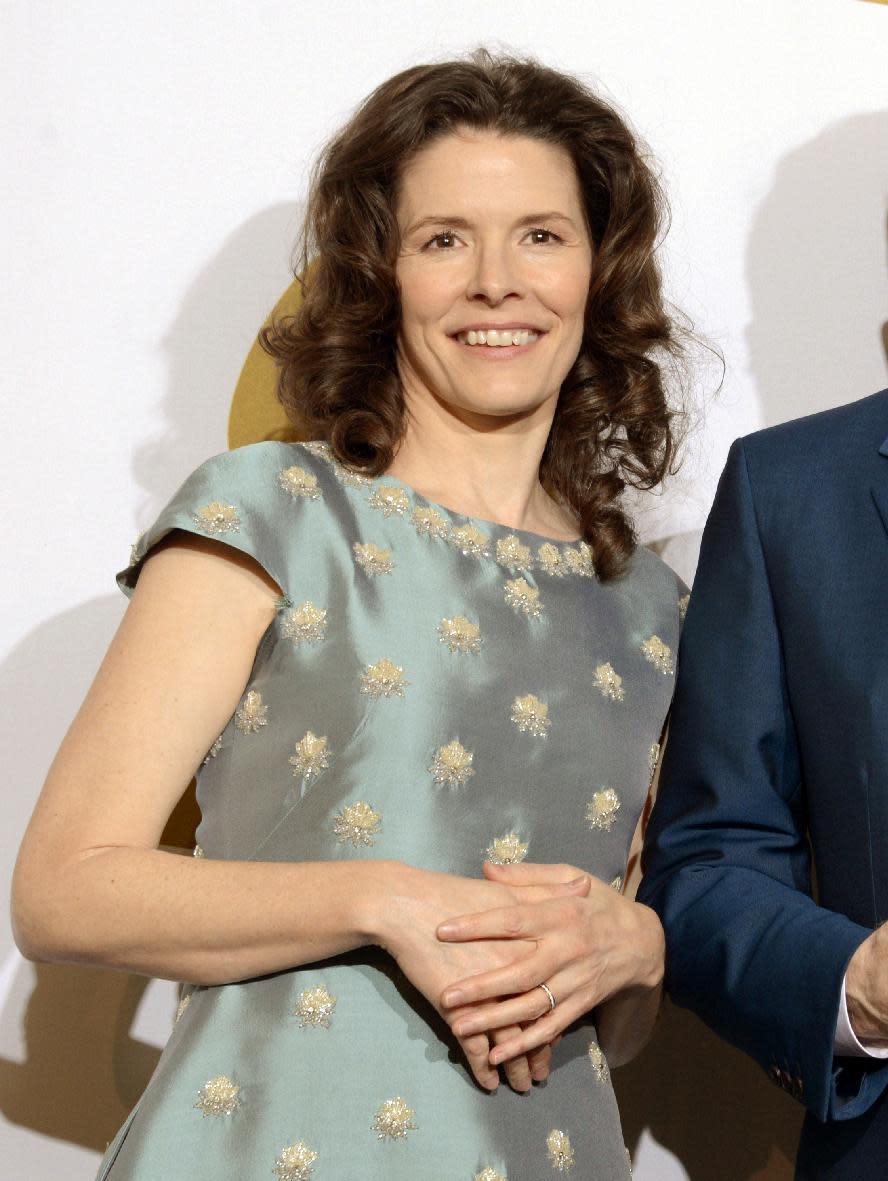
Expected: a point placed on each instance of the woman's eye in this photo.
(442, 241)
(543, 237)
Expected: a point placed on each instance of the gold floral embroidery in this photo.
(349, 478)
(311, 757)
(217, 517)
(218, 1096)
(373, 559)
(390, 499)
(683, 606)
(135, 550)
(507, 850)
(512, 553)
(470, 540)
(490, 1174)
(213, 751)
(383, 679)
(305, 624)
(182, 1006)
(549, 558)
(314, 1006)
(199, 851)
(357, 824)
(578, 559)
(523, 598)
(295, 1162)
(561, 1155)
(460, 634)
(531, 715)
(299, 483)
(319, 447)
(608, 683)
(252, 714)
(653, 759)
(430, 523)
(598, 1062)
(393, 1119)
(658, 654)
(452, 764)
(601, 812)
(617, 883)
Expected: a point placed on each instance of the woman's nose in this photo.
(495, 273)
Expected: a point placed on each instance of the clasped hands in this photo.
(580, 937)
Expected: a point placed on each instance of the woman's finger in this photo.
(516, 1069)
(543, 1032)
(540, 1063)
(531, 873)
(508, 981)
(516, 1010)
(476, 1049)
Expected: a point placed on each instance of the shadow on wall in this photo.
(818, 273)
(81, 1070)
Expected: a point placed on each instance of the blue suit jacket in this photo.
(778, 737)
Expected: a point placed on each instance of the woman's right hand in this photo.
(418, 902)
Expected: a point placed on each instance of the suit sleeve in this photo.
(726, 858)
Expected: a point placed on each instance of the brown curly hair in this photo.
(339, 380)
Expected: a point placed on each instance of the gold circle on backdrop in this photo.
(255, 412)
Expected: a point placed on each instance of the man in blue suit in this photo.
(777, 755)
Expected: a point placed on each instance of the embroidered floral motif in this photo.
(598, 1062)
(390, 499)
(217, 517)
(311, 757)
(213, 751)
(490, 1174)
(549, 558)
(658, 654)
(295, 1162)
(452, 764)
(305, 624)
(531, 715)
(357, 824)
(251, 715)
(299, 483)
(523, 598)
(561, 1155)
(314, 1006)
(653, 759)
(182, 1006)
(373, 559)
(218, 1096)
(683, 606)
(393, 1119)
(601, 812)
(199, 851)
(318, 447)
(383, 679)
(507, 850)
(578, 559)
(617, 883)
(512, 553)
(470, 540)
(428, 522)
(135, 550)
(349, 478)
(608, 683)
(459, 634)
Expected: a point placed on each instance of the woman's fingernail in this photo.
(453, 998)
(496, 1058)
(446, 930)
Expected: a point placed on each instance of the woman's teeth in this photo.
(499, 338)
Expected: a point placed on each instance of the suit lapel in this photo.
(880, 488)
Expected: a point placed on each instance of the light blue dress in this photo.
(436, 690)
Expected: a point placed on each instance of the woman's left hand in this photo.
(587, 949)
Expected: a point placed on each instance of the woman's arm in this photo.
(91, 886)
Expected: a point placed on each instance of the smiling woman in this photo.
(420, 669)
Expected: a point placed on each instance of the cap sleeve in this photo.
(234, 498)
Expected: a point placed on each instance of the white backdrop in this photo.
(156, 158)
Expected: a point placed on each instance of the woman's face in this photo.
(493, 242)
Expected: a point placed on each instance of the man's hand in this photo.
(866, 990)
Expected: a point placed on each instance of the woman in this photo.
(423, 642)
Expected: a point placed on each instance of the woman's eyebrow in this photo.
(462, 223)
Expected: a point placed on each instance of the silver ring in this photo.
(548, 991)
